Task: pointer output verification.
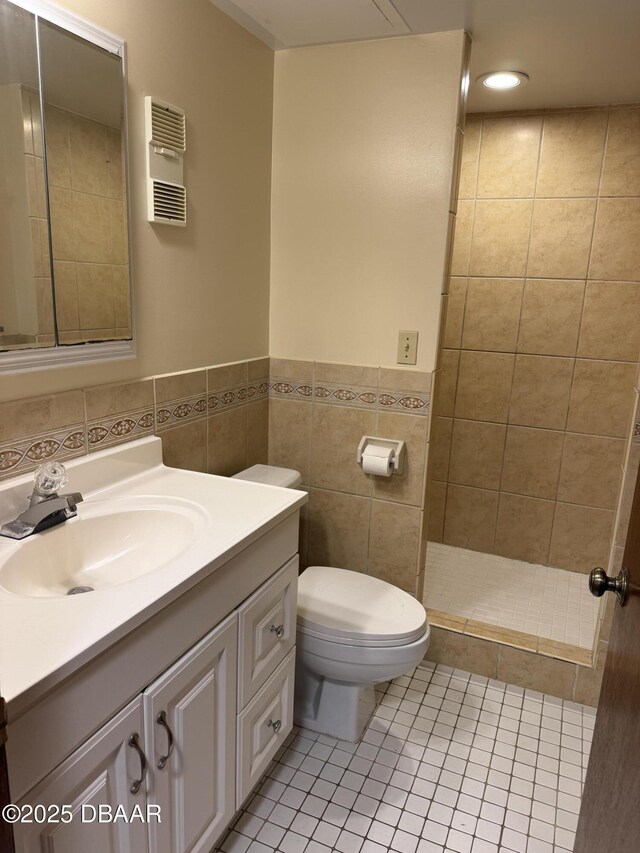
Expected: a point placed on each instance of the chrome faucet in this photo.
(46, 507)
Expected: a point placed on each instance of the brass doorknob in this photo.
(600, 582)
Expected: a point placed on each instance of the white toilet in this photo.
(353, 632)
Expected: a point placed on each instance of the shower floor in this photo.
(533, 599)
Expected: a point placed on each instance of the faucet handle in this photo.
(50, 478)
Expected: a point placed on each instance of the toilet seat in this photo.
(330, 608)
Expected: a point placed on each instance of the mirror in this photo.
(64, 248)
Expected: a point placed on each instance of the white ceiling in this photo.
(576, 52)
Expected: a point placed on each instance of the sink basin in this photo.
(109, 543)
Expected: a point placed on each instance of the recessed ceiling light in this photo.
(503, 79)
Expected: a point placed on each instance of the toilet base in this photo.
(339, 709)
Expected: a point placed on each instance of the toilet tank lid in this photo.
(351, 605)
(271, 475)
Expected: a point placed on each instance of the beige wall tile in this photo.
(470, 518)
(550, 321)
(446, 620)
(601, 397)
(258, 368)
(88, 155)
(581, 537)
(66, 286)
(589, 680)
(476, 454)
(484, 385)
(440, 448)
(288, 368)
(532, 460)
(335, 434)
(621, 172)
(616, 249)
(347, 374)
(455, 313)
(258, 433)
(560, 237)
(185, 446)
(610, 327)
(509, 157)
(436, 498)
(122, 296)
(469, 161)
(63, 234)
(91, 229)
(535, 672)
(571, 155)
(501, 635)
(394, 541)
(44, 305)
(462, 238)
(226, 376)
(104, 400)
(405, 379)
(463, 652)
(541, 388)
(115, 176)
(58, 153)
(38, 415)
(338, 530)
(492, 314)
(523, 530)
(95, 296)
(445, 383)
(290, 435)
(227, 442)
(500, 239)
(175, 386)
(407, 487)
(591, 470)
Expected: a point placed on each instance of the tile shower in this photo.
(536, 394)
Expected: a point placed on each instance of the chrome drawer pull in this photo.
(134, 743)
(161, 720)
(275, 725)
(278, 630)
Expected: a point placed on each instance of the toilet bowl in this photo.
(353, 632)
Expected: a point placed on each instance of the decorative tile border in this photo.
(19, 456)
(184, 410)
(353, 396)
(341, 395)
(290, 389)
(228, 398)
(127, 426)
(258, 389)
(408, 402)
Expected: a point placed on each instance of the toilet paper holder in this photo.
(397, 450)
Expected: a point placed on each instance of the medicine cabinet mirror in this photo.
(65, 283)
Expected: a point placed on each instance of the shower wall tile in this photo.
(601, 398)
(514, 140)
(436, 501)
(492, 314)
(462, 238)
(523, 529)
(532, 460)
(484, 386)
(446, 381)
(610, 327)
(541, 389)
(571, 155)
(561, 237)
(621, 172)
(470, 518)
(500, 241)
(469, 161)
(581, 537)
(550, 320)
(455, 313)
(440, 448)
(477, 451)
(616, 249)
(591, 470)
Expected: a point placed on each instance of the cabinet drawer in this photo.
(263, 726)
(267, 630)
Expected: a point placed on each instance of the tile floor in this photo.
(539, 600)
(449, 763)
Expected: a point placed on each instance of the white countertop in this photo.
(43, 640)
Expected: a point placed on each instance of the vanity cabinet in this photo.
(196, 740)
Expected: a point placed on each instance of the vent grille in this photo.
(169, 203)
(167, 126)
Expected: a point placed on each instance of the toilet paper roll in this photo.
(377, 460)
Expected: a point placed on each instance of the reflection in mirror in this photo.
(83, 93)
(26, 302)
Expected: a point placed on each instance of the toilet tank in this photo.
(271, 475)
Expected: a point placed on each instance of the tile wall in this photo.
(318, 412)
(538, 385)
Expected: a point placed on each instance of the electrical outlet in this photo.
(407, 347)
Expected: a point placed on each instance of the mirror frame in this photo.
(18, 361)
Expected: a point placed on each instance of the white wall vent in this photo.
(166, 143)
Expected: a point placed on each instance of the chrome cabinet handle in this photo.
(134, 743)
(276, 725)
(600, 582)
(161, 720)
(278, 630)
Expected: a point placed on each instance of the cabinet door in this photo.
(99, 774)
(190, 740)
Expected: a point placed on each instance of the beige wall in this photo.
(532, 427)
(201, 293)
(363, 152)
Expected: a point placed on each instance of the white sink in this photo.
(109, 543)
